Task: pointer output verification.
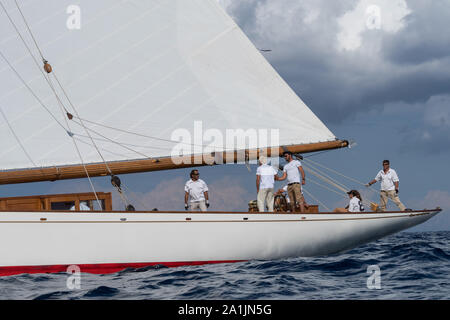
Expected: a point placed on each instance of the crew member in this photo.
(196, 193)
(389, 186)
(292, 171)
(265, 181)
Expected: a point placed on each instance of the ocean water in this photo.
(403, 266)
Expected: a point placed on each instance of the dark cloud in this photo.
(408, 65)
(432, 134)
(425, 38)
(411, 65)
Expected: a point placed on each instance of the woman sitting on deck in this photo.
(355, 204)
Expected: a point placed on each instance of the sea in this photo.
(405, 266)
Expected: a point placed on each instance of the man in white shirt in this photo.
(389, 186)
(196, 193)
(292, 171)
(265, 181)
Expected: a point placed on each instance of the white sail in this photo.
(143, 66)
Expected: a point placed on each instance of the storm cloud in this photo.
(353, 57)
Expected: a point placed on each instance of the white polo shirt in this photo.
(387, 179)
(196, 190)
(355, 205)
(293, 175)
(267, 174)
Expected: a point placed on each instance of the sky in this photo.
(375, 72)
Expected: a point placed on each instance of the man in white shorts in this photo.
(196, 193)
(265, 181)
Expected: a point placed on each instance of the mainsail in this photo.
(136, 71)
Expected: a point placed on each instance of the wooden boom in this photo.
(155, 164)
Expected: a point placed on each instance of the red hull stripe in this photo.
(101, 268)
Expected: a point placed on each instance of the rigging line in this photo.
(344, 190)
(61, 104)
(25, 42)
(317, 171)
(17, 138)
(325, 179)
(38, 23)
(354, 180)
(29, 30)
(37, 64)
(59, 83)
(124, 143)
(315, 199)
(31, 53)
(327, 176)
(338, 173)
(63, 108)
(145, 136)
(325, 187)
(34, 59)
(82, 124)
(104, 150)
(136, 197)
(317, 153)
(344, 194)
(75, 144)
(368, 202)
(118, 143)
(32, 92)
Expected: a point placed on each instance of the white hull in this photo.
(33, 241)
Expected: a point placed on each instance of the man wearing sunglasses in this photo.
(389, 186)
(196, 193)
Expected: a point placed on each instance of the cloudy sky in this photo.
(377, 72)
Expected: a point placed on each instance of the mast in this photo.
(148, 165)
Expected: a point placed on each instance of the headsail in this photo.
(136, 71)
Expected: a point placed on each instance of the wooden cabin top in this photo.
(58, 202)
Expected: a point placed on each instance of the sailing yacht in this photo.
(99, 88)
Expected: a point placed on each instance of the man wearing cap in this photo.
(292, 171)
(265, 181)
(196, 192)
(389, 186)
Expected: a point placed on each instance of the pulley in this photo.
(115, 181)
(47, 67)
